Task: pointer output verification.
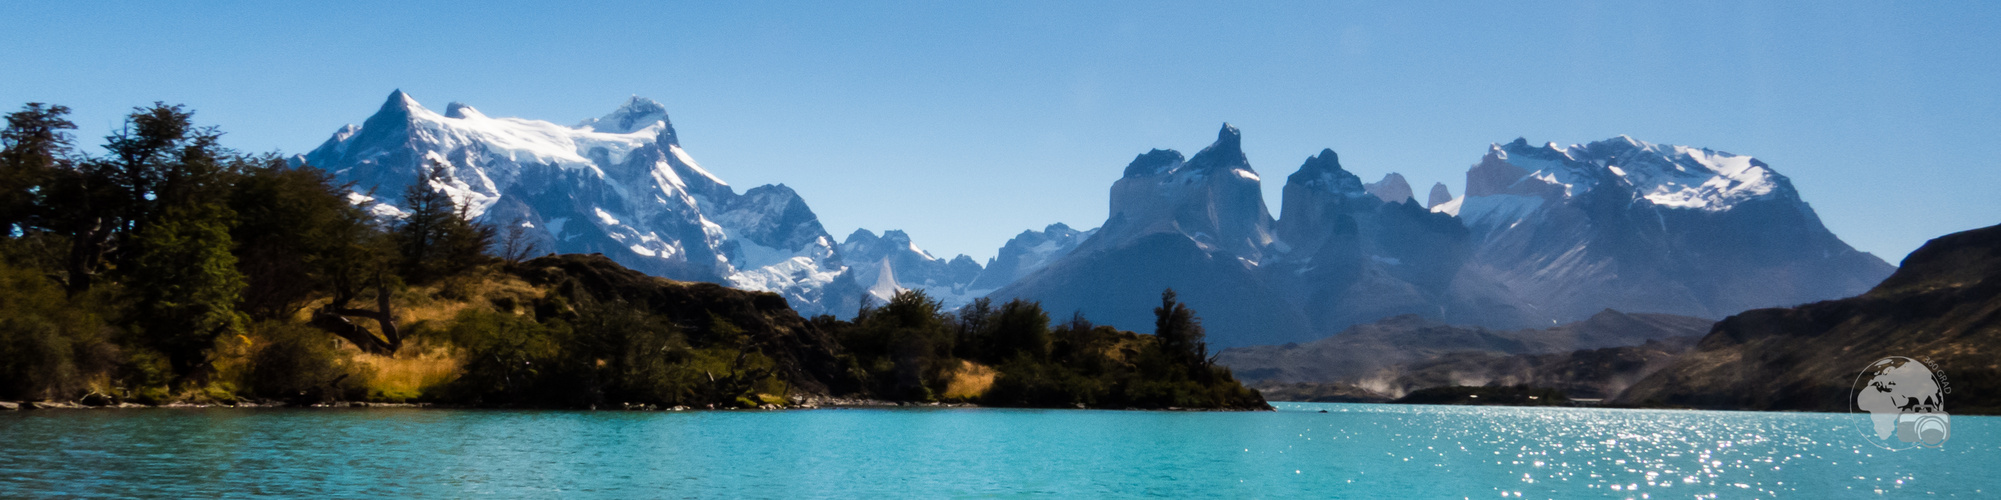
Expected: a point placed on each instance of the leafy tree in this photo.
(1180, 332)
(50, 345)
(158, 160)
(1021, 328)
(437, 236)
(903, 345)
(354, 262)
(33, 148)
(975, 326)
(184, 284)
(294, 227)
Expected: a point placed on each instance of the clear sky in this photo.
(965, 123)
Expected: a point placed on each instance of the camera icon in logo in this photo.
(1924, 429)
(1905, 402)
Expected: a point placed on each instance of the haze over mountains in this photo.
(1543, 235)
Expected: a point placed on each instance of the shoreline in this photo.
(809, 404)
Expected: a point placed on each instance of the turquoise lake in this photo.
(1353, 450)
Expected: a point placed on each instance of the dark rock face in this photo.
(1345, 256)
(1943, 304)
(1198, 226)
(1439, 195)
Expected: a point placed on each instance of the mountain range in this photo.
(621, 185)
(1542, 235)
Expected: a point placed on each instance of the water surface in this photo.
(1353, 450)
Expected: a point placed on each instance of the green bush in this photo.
(50, 347)
(300, 364)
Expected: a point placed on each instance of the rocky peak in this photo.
(1392, 189)
(636, 114)
(1158, 161)
(1323, 172)
(461, 110)
(1439, 195)
(399, 103)
(1226, 153)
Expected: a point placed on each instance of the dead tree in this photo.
(333, 317)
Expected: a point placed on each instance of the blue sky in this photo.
(966, 123)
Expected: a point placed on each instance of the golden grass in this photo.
(418, 367)
(969, 381)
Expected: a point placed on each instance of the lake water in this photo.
(1353, 450)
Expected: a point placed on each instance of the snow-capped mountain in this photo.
(1544, 235)
(1644, 227)
(890, 263)
(620, 185)
(1028, 252)
(1350, 256)
(1199, 226)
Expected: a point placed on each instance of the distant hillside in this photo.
(1943, 304)
(1386, 350)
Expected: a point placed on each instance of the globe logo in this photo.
(1905, 402)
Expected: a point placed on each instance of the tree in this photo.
(1021, 328)
(159, 160)
(292, 225)
(1180, 332)
(357, 258)
(437, 237)
(184, 283)
(975, 326)
(517, 244)
(171, 232)
(32, 148)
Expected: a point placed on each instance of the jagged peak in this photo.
(1226, 152)
(1326, 161)
(1323, 171)
(399, 103)
(861, 235)
(779, 189)
(640, 105)
(896, 236)
(1057, 228)
(461, 110)
(635, 114)
(1393, 188)
(1439, 195)
(1154, 162)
